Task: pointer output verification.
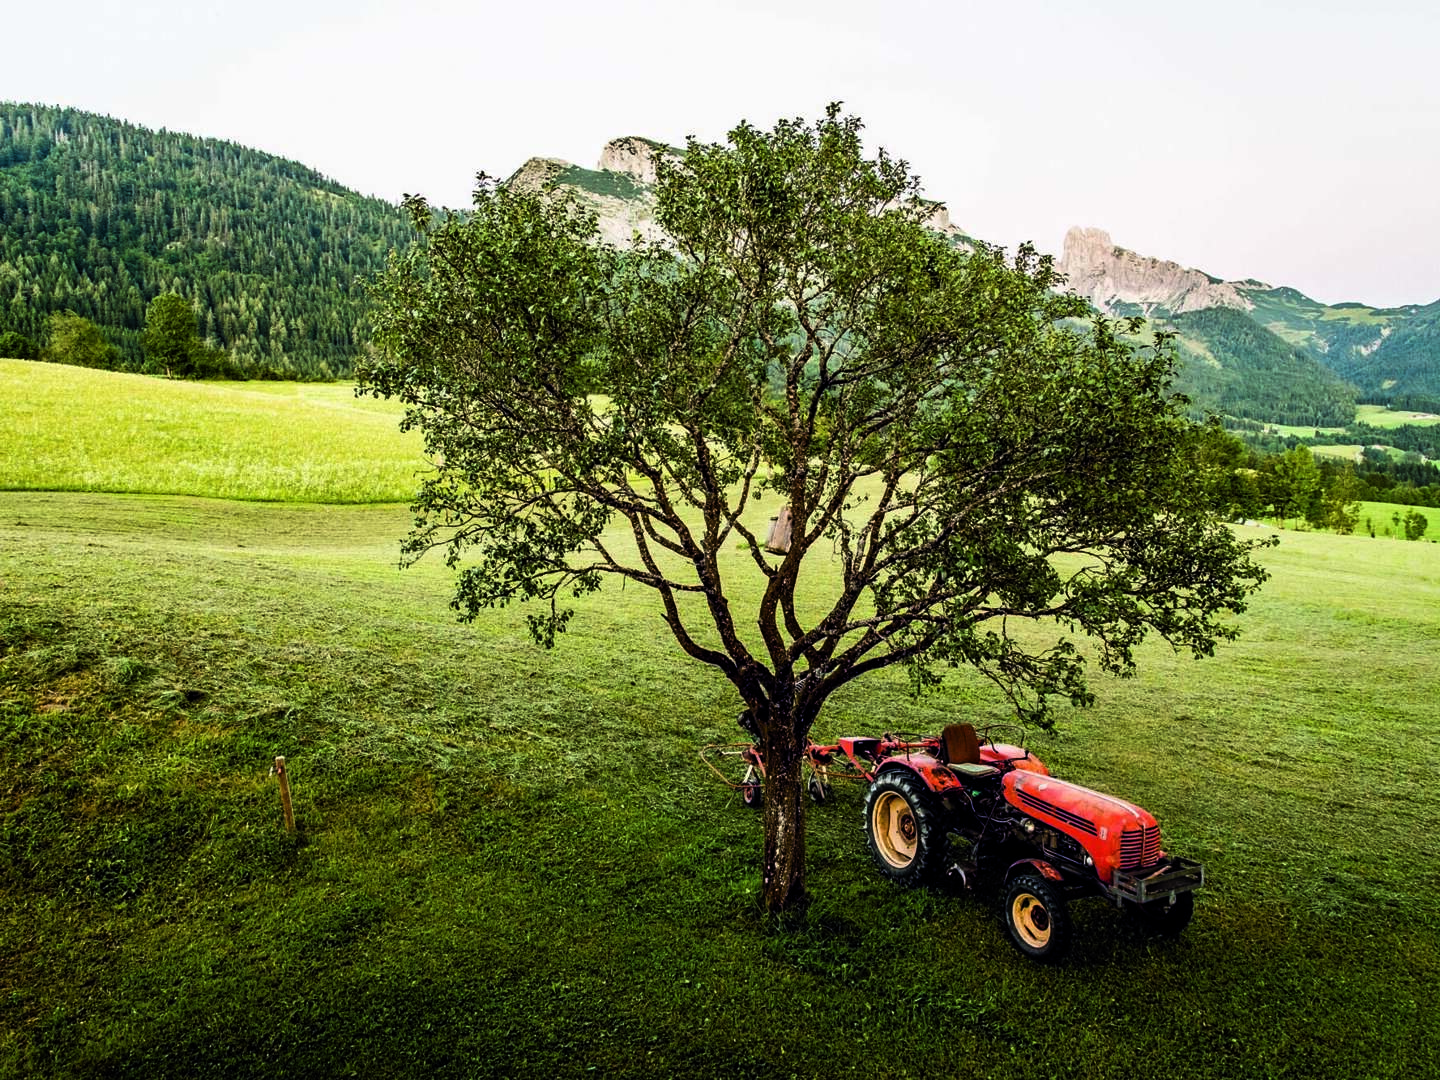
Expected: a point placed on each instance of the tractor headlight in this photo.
(1089, 861)
(1028, 826)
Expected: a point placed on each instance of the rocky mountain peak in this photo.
(536, 173)
(1110, 276)
(937, 219)
(635, 156)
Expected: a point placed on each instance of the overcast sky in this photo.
(1295, 143)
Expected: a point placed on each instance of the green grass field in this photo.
(1302, 431)
(1381, 517)
(1341, 452)
(510, 862)
(1383, 417)
(302, 442)
(1375, 415)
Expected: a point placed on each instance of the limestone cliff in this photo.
(1109, 276)
(536, 173)
(634, 156)
(624, 208)
(938, 220)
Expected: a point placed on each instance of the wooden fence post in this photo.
(285, 793)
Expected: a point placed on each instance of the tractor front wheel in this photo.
(905, 828)
(1037, 918)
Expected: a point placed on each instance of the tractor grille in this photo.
(1069, 817)
(1139, 847)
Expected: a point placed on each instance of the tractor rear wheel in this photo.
(1163, 918)
(905, 828)
(1037, 918)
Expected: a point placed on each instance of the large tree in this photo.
(17, 346)
(74, 339)
(171, 340)
(973, 449)
(1293, 479)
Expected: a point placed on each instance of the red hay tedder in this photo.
(964, 807)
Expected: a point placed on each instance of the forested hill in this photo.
(99, 216)
(1235, 366)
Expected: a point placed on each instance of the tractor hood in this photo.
(1117, 834)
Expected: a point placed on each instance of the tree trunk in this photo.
(783, 870)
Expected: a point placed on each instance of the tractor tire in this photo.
(1037, 917)
(1165, 919)
(905, 828)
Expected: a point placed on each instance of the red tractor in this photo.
(962, 807)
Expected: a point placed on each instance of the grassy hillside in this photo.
(72, 428)
(1387, 353)
(1235, 366)
(510, 862)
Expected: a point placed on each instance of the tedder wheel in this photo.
(752, 788)
(1036, 916)
(904, 827)
(1163, 918)
(819, 790)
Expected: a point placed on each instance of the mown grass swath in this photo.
(510, 863)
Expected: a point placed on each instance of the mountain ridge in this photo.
(1387, 354)
(1279, 357)
(98, 216)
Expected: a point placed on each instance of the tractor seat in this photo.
(959, 745)
(974, 773)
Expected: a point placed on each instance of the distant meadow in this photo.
(269, 441)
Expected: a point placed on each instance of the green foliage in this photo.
(1415, 525)
(1222, 468)
(1336, 504)
(1291, 482)
(172, 344)
(100, 217)
(74, 339)
(807, 358)
(803, 333)
(1256, 374)
(17, 346)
